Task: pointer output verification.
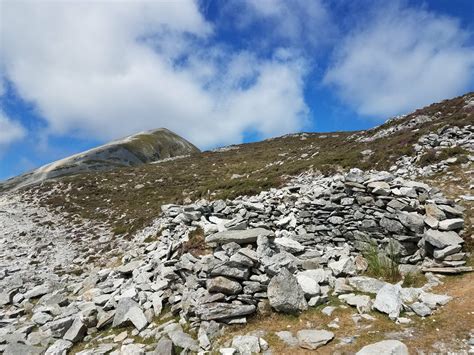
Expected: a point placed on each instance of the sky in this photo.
(76, 74)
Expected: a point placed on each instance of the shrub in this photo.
(196, 244)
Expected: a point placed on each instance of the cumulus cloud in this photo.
(111, 68)
(10, 131)
(401, 59)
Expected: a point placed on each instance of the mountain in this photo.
(138, 149)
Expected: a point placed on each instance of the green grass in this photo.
(382, 265)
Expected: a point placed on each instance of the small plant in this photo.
(414, 279)
(382, 265)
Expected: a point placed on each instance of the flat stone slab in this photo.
(442, 239)
(217, 310)
(239, 236)
(384, 347)
(312, 339)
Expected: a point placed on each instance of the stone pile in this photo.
(213, 263)
(446, 137)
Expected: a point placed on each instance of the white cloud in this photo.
(300, 23)
(10, 131)
(400, 60)
(111, 68)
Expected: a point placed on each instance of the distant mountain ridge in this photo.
(141, 148)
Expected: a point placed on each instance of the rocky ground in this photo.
(203, 270)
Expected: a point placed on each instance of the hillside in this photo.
(327, 243)
(134, 150)
(134, 195)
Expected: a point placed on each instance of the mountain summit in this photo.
(141, 148)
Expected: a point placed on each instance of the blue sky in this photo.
(77, 74)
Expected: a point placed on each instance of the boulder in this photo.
(384, 347)
(389, 300)
(312, 339)
(183, 340)
(128, 311)
(285, 294)
(239, 236)
(442, 239)
(421, 309)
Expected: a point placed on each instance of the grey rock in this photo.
(363, 303)
(246, 344)
(131, 349)
(288, 338)
(22, 349)
(313, 339)
(366, 284)
(384, 347)
(127, 269)
(392, 225)
(164, 347)
(451, 224)
(289, 245)
(129, 311)
(318, 275)
(59, 347)
(345, 266)
(36, 292)
(421, 309)
(41, 318)
(309, 286)
(433, 300)
(223, 285)
(239, 236)
(442, 239)
(285, 294)
(220, 311)
(76, 331)
(449, 250)
(183, 340)
(389, 300)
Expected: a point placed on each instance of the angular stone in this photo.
(451, 224)
(312, 339)
(36, 292)
(433, 211)
(59, 347)
(223, 285)
(164, 347)
(183, 340)
(384, 347)
(318, 275)
(230, 269)
(246, 344)
(389, 300)
(76, 331)
(129, 311)
(289, 245)
(412, 220)
(127, 269)
(239, 236)
(216, 310)
(442, 239)
(433, 300)
(345, 266)
(449, 250)
(392, 225)
(22, 349)
(285, 294)
(366, 284)
(288, 338)
(309, 286)
(421, 309)
(363, 303)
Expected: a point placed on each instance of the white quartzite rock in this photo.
(285, 294)
(313, 339)
(384, 347)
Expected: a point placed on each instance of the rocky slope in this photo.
(138, 149)
(337, 243)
